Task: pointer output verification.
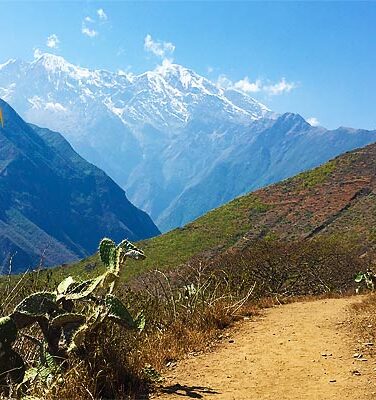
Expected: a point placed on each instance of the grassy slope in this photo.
(216, 230)
(322, 197)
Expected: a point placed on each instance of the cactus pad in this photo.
(8, 332)
(65, 319)
(12, 367)
(106, 248)
(131, 250)
(65, 284)
(38, 304)
(118, 312)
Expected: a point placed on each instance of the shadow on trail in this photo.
(195, 392)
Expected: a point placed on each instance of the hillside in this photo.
(178, 144)
(54, 205)
(338, 197)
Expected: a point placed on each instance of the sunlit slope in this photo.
(335, 198)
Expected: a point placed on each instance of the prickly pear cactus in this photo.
(65, 330)
(8, 332)
(38, 304)
(130, 250)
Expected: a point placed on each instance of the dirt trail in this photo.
(293, 352)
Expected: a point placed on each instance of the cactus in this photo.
(12, 367)
(118, 312)
(38, 305)
(65, 330)
(106, 249)
(369, 277)
(67, 319)
(8, 332)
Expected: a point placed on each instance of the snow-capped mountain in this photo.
(175, 141)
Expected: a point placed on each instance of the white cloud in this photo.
(279, 88)
(102, 15)
(89, 24)
(53, 41)
(88, 31)
(210, 69)
(244, 85)
(158, 48)
(313, 121)
(258, 86)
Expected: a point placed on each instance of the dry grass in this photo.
(363, 324)
(186, 311)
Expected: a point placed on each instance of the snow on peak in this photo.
(9, 62)
(176, 74)
(51, 61)
(167, 97)
(57, 64)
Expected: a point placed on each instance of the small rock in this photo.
(356, 372)
(231, 341)
(332, 381)
(171, 364)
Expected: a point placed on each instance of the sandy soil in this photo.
(296, 351)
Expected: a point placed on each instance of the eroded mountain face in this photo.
(55, 207)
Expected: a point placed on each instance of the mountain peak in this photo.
(176, 74)
(53, 63)
(293, 118)
(167, 68)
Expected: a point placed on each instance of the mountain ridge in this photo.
(176, 142)
(54, 205)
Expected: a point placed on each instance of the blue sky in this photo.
(314, 58)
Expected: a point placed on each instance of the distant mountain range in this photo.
(55, 206)
(176, 142)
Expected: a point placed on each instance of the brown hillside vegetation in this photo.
(338, 197)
